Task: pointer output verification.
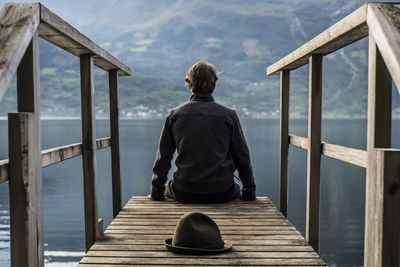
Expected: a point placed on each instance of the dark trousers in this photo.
(173, 193)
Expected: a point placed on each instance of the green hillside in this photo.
(160, 40)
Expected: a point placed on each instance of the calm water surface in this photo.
(342, 185)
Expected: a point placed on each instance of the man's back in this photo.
(202, 133)
(210, 145)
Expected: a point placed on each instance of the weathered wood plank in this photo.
(115, 153)
(388, 199)
(353, 156)
(18, 25)
(298, 141)
(55, 155)
(292, 236)
(73, 38)
(26, 242)
(234, 254)
(222, 227)
(28, 100)
(245, 243)
(348, 30)
(3, 170)
(89, 150)
(314, 150)
(350, 155)
(284, 142)
(233, 223)
(202, 261)
(239, 247)
(249, 233)
(383, 22)
(378, 136)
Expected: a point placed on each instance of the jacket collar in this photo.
(201, 97)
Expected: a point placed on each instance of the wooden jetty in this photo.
(261, 234)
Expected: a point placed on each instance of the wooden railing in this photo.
(21, 25)
(382, 219)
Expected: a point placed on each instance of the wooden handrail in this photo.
(380, 21)
(350, 155)
(21, 26)
(56, 154)
(23, 20)
(348, 30)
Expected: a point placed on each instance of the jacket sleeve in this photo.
(162, 164)
(241, 157)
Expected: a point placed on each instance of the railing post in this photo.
(378, 136)
(314, 150)
(25, 171)
(284, 141)
(89, 150)
(115, 153)
(387, 200)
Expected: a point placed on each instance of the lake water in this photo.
(342, 185)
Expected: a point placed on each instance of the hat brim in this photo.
(195, 251)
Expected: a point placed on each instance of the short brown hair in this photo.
(201, 77)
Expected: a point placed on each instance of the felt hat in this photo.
(196, 233)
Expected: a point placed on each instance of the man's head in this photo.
(201, 77)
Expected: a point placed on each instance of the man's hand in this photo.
(247, 195)
(154, 199)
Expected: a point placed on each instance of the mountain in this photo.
(160, 40)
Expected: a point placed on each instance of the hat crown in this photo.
(197, 230)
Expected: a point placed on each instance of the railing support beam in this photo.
(26, 212)
(89, 150)
(115, 152)
(284, 142)
(314, 150)
(378, 136)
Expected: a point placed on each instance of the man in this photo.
(210, 145)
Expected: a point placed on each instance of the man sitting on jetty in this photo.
(210, 144)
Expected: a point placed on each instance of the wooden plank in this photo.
(74, 38)
(291, 236)
(88, 150)
(284, 142)
(383, 22)
(3, 170)
(239, 247)
(234, 254)
(232, 228)
(388, 199)
(220, 222)
(350, 155)
(353, 156)
(115, 153)
(18, 25)
(298, 141)
(300, 242)
(25, 230)
(378, 136)
(212, 261)
(314, 151)
(348, 30)
(55, 155)
(28, 100)
(61, 153)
